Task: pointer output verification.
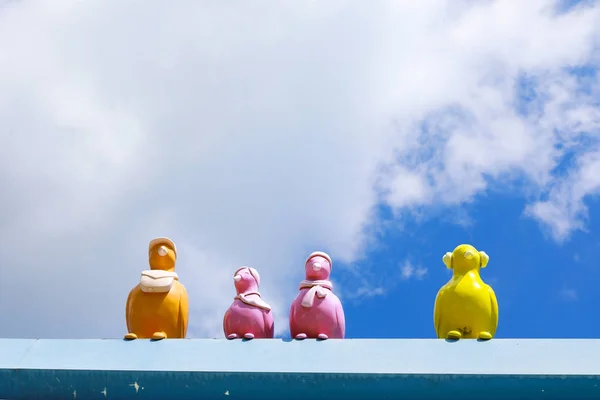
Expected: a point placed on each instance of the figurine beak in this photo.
(316, 266)
(469, 255)
(237, 278)
(163, 251)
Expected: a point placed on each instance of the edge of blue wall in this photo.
(290, 369)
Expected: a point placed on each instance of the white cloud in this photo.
(564, 210)
(569, 294)
(408, 271)
(370, 292)
(256, 133)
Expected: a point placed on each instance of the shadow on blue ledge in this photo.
(309, 369)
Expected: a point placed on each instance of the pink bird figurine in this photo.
(249, 316)
(316, 312)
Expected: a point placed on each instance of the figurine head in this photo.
(318, 266)
(246, 279)
(162, 254)
(465, 258)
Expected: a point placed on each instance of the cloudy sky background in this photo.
(253, 133)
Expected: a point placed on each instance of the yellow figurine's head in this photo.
(162, 254)
(465, 258)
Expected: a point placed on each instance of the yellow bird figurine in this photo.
(157, 307)
(465, 307)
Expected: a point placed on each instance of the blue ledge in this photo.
(282, 369)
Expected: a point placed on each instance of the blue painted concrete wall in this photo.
(283, 369)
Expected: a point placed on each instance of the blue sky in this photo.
(546, 284)
(385, 133)
(544, 289)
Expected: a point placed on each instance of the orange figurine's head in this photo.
(162, 254)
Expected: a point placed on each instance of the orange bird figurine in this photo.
(157, 307)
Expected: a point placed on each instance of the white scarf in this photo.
(255, 302)
(320, 288)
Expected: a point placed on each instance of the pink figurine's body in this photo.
(248, 316)
(317, 312)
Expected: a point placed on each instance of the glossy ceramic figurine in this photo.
(317, 312)
(249, 316)
(157, 307)
(466, 307)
